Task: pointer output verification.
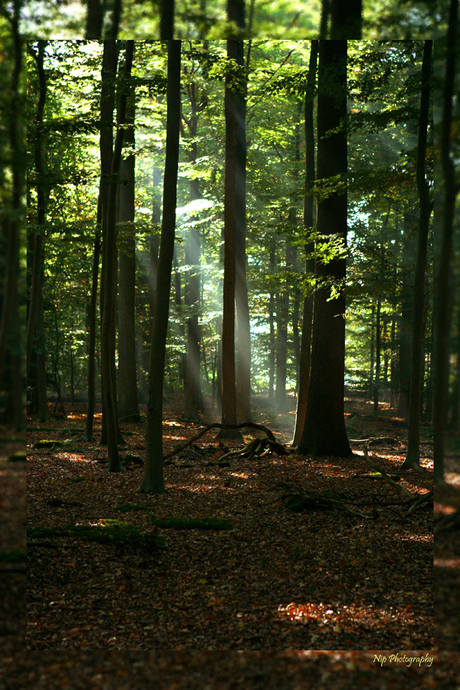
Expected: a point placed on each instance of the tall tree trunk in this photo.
(41, 202)
(372, 353)
(377, 357)
(166, 20)
(412, 458)
(282, 315)
(442, 304)
(153, 478)
(346, 19)
(94, 20)
(10, 326)
(309, 221)
(107, 104)
(228, 315)
(193, 396)
(40, 350)
(88, 434)
(271, 322)
(128, 406)
(109, 309)
(324, 431)
(243, 372)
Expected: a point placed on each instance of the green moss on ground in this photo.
(107, 531)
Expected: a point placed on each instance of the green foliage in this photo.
(191, 523)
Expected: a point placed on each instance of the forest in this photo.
(218, 19)
(235, 313)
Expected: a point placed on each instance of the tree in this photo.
(412, 457)
(228, 313)
(442, 304)
(41, 204)
(153, 479)
(167, 20)
(346, 19)
(193, 394)
(109, 257)
(94, 19)
(309, 221)
(128, 407)
(324, 431)
(10, 324)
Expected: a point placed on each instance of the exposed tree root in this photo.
(255, 447)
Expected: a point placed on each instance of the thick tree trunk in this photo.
(412, 458)
(309, 221)
(94, 20)
(346, 19)
(228, 315)
(166, 20)
(324, 431)
(128, 406)
(41, 203)
(153, 479)
(10, 325)
(442, 303)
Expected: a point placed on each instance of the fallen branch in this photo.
(216, 425)
(386, 476)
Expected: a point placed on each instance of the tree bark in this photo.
(41, 202)
(324, 431)
(153, 478)
(412, 458)
(346, 19)
(442, 303)
(282, 315)
(107, 104)
(88, 435)
(128, 406)
(94, 20)
(11, 335)
(108, 314)
(243, 370)
(193, 396)
(309, 221)
(228, 315)
(166, 20)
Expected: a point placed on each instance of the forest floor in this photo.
(68, 575)
(13, 571)
(276, 580)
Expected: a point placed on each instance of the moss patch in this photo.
(14, 556)
(105, 532)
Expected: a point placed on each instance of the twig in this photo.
(385, 475)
